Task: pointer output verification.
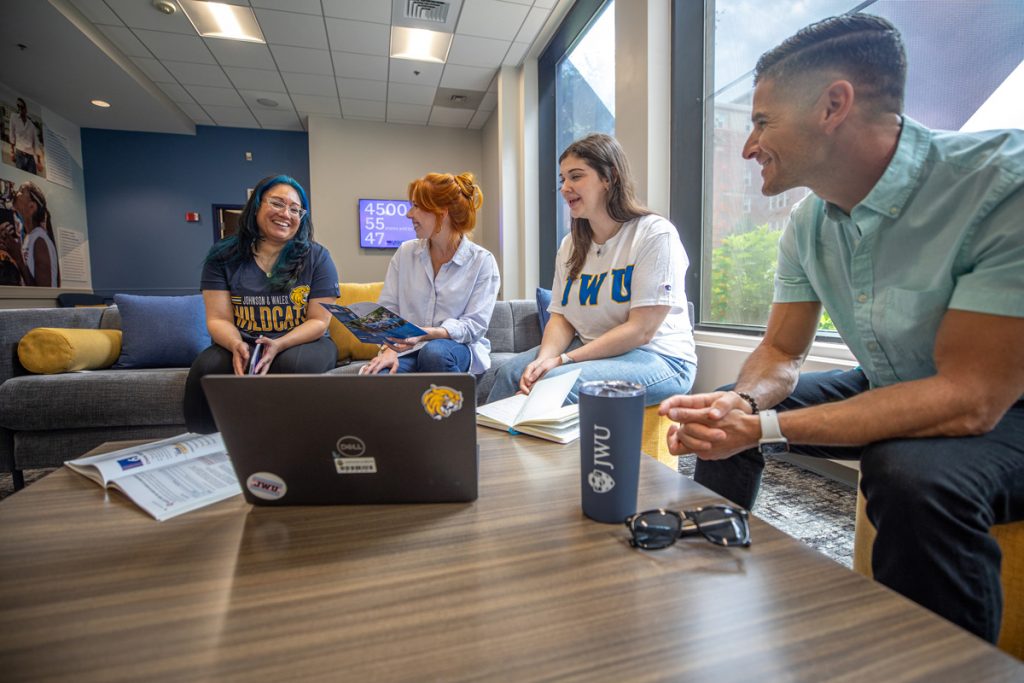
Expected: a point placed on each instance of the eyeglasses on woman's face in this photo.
(721, 524)
(294, 210)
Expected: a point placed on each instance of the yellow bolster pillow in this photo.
(350, 348)
(50, 350)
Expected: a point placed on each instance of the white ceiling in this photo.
(322, 57)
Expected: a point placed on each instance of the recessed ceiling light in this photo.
(100, 103)
(218, 20)
(266, 102)
(420, 44)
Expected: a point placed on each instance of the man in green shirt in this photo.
(913, 241)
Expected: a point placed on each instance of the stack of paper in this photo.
(539, 413)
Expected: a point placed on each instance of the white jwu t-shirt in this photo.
(644, 264)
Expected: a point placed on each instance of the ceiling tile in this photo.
(453, 118)
(126, 41)
(284, 103)
(467, 77)
(546, 4)
(489, 102)
(378, 11)
(491, 19)
(479, 120)
(362, 89)
(198, 74)
(231, 116)
(278, 120)
(195, 112)
(97, 12)
(520, 2)
(143, 15)
(516, 53)
(351, 65)
(363, 109)
(154, 69)
(473, 51)
(406, 93)
(225, 97)
(359, 36)
(408, 113)
(404, 71)
(303, 6)
(176, 92)
(255, 79)
(237, 53)
(309, 84)
(289, 28)
(176, 47)
(301, 60)
(314, 104)
(531, 27)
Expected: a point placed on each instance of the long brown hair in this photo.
(458, 194)
(604, 154)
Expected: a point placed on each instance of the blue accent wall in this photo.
(139, 186)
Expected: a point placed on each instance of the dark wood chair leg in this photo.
(18, 477)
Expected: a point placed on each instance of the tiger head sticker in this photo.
(441, 402)
(299, 295)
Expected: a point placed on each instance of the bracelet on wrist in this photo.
(751, 401)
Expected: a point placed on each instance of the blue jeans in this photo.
(932, 501)
(663, 376)
(437, 355)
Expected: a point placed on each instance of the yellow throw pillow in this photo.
(50, 350)
(350, 348)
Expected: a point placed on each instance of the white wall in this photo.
(353, 159)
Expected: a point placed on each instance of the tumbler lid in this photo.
(612, 388)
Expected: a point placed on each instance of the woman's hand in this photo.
(239, 356)
(385, 360)
(271, 347)
(535, 371)
(409, 343)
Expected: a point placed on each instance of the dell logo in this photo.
(350, 446)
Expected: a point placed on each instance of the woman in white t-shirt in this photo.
(36, 253)
(618, 305)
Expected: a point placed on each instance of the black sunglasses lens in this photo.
(654, 530)
(724, 526)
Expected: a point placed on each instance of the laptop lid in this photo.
(344, 439)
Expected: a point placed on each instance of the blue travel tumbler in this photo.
(611, 424)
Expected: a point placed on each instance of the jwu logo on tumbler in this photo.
(611, 421)
(599, 480)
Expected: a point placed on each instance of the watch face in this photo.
(774, 447)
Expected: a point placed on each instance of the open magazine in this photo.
(372, 323)
(166, 478)
(539, 413)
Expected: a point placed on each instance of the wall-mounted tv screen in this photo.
(383, 223)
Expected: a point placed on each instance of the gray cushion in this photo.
(101, 398)
(51, 448)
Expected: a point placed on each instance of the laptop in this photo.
(349, 439)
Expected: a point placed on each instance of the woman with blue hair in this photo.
(259, 287)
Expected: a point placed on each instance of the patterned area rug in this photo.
(805, 505)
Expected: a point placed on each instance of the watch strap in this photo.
(566, 358)
(770, 429)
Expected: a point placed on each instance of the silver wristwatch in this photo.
(772, 441)
(566, 359)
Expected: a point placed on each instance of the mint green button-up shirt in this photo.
(943, 228)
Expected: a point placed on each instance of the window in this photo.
(965, 73)
(576, 96)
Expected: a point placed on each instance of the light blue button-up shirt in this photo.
(943, 228)
(460, 299)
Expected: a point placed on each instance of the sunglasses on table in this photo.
(721, 524)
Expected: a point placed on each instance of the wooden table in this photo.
(517, 586)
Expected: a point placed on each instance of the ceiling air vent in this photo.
(427, 10)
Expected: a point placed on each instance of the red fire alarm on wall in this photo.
(192, 216)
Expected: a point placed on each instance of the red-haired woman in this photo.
(442, 282)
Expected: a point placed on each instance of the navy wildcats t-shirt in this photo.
(258, 310)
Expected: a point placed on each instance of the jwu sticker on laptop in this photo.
(266, 485)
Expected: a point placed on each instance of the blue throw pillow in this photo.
(161, 331)
(543, 300)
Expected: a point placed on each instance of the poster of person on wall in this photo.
(28, 245)
(22, 137)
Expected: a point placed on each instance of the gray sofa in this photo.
(47, 419)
